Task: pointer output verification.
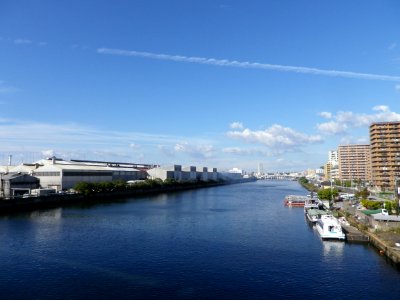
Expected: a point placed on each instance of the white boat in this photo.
(311, 203)
(313, 215)
(329, 227)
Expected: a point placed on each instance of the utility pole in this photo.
(397, 193)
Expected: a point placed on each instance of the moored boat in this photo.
(295, 200)
(329, 227)
(314, 214)
(312, 203)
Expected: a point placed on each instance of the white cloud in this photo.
(75, 134)
(247, 65)
(22, 41)
(332, 127)
(383, 108)
(236, 125)
(166, 150)
(326, 115)
(197, 151)
(275, 137)
(246, 151)
(134, 146)
(48, 153)
(343, 121)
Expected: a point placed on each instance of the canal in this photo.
(226, 242)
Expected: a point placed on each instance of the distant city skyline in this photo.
(221, 84)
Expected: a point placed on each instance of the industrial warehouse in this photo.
(58, 175)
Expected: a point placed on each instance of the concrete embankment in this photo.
(392, 253)
(354, 235)
(56, 200)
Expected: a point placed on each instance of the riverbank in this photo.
(383, 241)
(21, 204)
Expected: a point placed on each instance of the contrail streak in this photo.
(248, 65)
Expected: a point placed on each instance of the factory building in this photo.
(202, 173)
(176, 172)
(173, 172)
(63, 175)
(189, 173)
(17, 184)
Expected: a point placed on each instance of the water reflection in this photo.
(333, 248)
(48, 216)
(46, 225)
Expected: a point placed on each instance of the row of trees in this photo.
(92, 188)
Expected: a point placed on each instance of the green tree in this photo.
(327, 194)
(363, 194)
(85, 188)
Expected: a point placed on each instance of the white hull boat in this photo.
(329, 227)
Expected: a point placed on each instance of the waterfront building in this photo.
(189, 173)
(63, 175)
(202, 173)
(23, 168)
(173, 172)
(4, 169)
(385, 154)
(179, 173)
(354, 162)
(17, 184)
(212, 174)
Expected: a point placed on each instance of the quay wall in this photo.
(390, 252)
(55, 200)
(382, 246)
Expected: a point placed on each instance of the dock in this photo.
(354, 235)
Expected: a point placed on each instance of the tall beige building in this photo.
(354, 162)
(385, 154)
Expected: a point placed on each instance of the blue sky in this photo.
(209, 83)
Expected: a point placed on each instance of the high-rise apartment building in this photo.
(333, 158)
(385, 154)
(334, 163)
(354, 162)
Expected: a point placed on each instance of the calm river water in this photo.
(228, 242)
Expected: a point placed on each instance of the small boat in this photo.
(311, 203)
(295, 200)
(313, 215)
(329, 227)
